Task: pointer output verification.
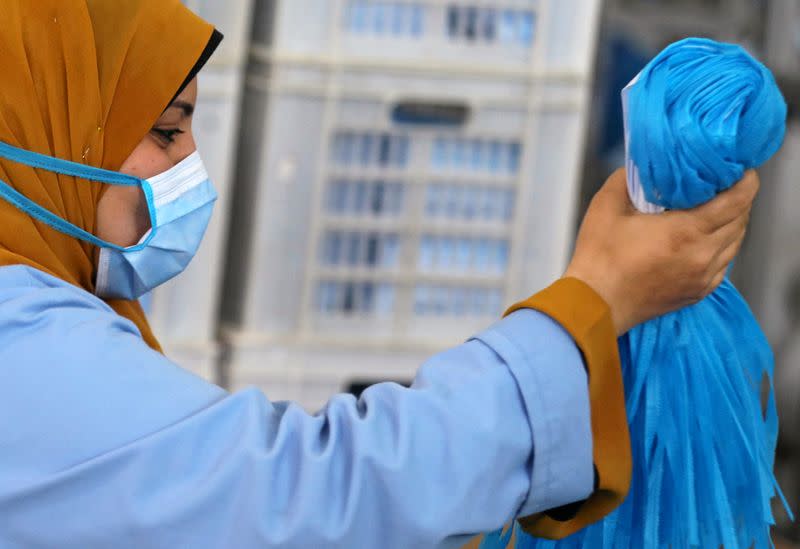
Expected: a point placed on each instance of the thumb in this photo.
(614, 193)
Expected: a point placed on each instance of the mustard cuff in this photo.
(587, 318)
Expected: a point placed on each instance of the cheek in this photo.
(147, 160)
(122, 216)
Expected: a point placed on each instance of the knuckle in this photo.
(754, 180)
(732, 200)
(743, 222)
(698, 267)
(741, 203)
(702, 227)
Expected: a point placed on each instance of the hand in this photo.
(645, 266)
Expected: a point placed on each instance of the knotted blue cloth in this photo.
(703, 441)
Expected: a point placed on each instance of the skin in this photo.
(644, 266)
(122, 216)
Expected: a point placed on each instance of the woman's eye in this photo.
(166, 136)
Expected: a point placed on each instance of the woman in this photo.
(105, 443)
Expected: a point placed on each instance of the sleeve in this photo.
(587, 318)
(114, 446)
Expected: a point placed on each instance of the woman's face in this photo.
(122, 216)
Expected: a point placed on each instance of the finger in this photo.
(724, 236)
(728, 253)
(715, 283)
(729, 205)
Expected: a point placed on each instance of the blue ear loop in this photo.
(80, 171)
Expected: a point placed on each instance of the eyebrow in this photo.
(187, 108)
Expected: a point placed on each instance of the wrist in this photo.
(604, 288)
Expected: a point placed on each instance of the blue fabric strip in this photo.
(700, 114)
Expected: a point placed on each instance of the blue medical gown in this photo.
(105, 443)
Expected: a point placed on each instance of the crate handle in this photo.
(428, 113)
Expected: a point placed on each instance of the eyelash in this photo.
(167, 136)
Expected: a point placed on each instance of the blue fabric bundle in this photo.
(698, 116)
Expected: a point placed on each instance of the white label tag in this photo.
(635, 189)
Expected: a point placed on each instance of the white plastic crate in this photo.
(448, 35)
(183, 312)
(389, 210)
(232, 18)
(312, 375)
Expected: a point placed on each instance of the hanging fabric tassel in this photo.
(703, 443)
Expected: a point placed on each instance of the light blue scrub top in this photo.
(105, 443)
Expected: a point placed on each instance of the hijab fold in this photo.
(84, 80)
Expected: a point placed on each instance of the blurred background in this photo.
(392, 174)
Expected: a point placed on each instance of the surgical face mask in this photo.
(180, 202)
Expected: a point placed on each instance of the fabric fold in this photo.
(587, 318)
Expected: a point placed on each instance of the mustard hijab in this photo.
(83, 80)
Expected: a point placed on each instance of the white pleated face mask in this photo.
(180, 202)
